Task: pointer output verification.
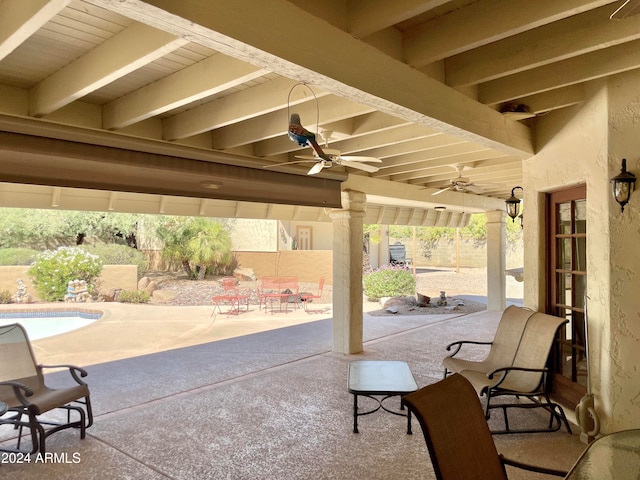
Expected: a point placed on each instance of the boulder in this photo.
(245, 274)
(398, 302)
(107, 295)
(143, 282)
(423, 300)
(151, 287)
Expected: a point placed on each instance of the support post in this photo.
(496, 260)
(347, 273)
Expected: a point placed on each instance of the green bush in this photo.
(114, 254)
(134, 296)
(17, 256)
(53, 269)
(6, 297)
(389, 281)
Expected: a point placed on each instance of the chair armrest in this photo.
(19, 390)
(458, 345)
(491, 374)
(507, 370)
(533, 468)
(73, 370)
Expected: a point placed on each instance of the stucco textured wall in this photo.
(585, 145)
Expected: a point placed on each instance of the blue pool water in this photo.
(43, 324)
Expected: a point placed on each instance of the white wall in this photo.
(577, 146)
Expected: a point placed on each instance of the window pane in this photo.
(581, 254)
(564, 218)
(564, 289)
(564, 254)
(580, 211)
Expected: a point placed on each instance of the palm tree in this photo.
(196, 243)
(210, 244)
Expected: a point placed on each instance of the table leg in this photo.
(355, 413)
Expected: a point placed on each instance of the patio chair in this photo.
(525, 378)
(305, 298)
(231, 295)
(23, 389)
(502, 349)
(457, 435)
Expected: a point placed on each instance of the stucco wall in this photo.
(307, 265)
(112, 276)
(585, 145)
(622, 337)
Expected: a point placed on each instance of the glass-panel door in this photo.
(567, 275)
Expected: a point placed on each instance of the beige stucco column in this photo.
(347, 273)
(496, 260)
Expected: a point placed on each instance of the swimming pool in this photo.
(47, 323)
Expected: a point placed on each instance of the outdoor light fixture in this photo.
(623, 184)
(513, 204)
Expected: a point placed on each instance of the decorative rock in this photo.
(107, 295)
(423, 300)
(244, 274)
(391, 309)
(143, 282)
(151, 287)
(398, 302)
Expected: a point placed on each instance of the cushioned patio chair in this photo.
(525, 378)
(457, 435)
(502, 349)
(32, 405)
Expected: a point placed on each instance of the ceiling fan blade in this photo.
(474, 189)
(627, 9)
(361, 166)
(358, 158)
(317, 168)
(442, 190)
(309, 157)
(286, 163)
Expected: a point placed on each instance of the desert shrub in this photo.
(17, 256)
(6, 297)
(53, 269)
(134, 296)
(114, 254)
(389, 281)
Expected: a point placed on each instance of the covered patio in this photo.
(271, 404)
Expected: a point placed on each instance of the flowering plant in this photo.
(53, 269)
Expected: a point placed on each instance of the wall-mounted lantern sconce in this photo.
(513, 204)
(623, 184)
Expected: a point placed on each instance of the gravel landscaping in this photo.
(178, 290)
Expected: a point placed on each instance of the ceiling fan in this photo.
(323, 157)
(627, 9)
(460, 184)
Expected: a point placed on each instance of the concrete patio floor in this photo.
(187, 396)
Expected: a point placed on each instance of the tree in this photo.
(48, 228)
(210, 244)
(195, 243)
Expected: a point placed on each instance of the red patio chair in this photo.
(230, 295)
(305, 298)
